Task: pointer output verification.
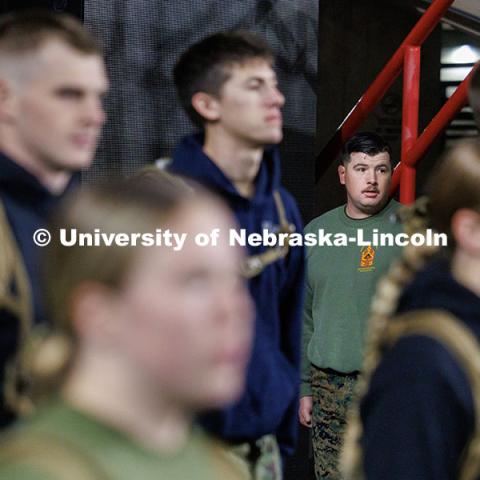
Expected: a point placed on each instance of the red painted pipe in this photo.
(411, 101)
(441, 120)
(379, 87)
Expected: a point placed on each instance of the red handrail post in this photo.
(441, 120)
(411, 101)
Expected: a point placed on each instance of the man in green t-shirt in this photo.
(341, 278)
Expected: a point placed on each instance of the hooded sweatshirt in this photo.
(418, 413)
(27, 204)
(269, 404)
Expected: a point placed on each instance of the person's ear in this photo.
(341, 174)
(94, 312)
(207, 106)
(466, 230)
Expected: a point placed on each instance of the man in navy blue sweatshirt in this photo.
(52, 78)
(227, 85)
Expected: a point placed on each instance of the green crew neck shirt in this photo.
(340, 283)
(62, 443)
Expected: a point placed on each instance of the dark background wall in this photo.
(144, 38)
(75, 7)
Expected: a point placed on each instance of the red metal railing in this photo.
(441, 120)
(411, 101)
(407, 57)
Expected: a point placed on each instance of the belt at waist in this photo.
(331, 371)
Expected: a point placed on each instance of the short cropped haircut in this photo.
(204, 67)
(364, 142)
(27, 31)
(474, 94)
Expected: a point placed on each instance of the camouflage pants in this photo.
(265, 463)
(332, 396)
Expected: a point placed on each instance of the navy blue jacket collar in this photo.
(189, 159)
(435, 287)
(19, 183)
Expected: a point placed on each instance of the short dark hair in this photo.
(364, 142)
(474, 94)
(204, 66)
(26, 31)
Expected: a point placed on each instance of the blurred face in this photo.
(249, 105)
(367, 181)
(57, 113)
(188, 315)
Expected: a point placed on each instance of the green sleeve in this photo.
(25, 472)
(305, 388)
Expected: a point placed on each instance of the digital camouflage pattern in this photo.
(332, 396)
(262, 462)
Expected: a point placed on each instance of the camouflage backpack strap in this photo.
(255, 264)
(15, 293)
(52, 456)
(462, 344)
(15, 298)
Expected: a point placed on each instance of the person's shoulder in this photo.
(324, 218)
(420, 359)
(26, 455)
(55, 440)
(389, 210)
(394, 204)
(417, 412)
(24, 471)
(417, 354)
(388, 218)
(226, 465)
